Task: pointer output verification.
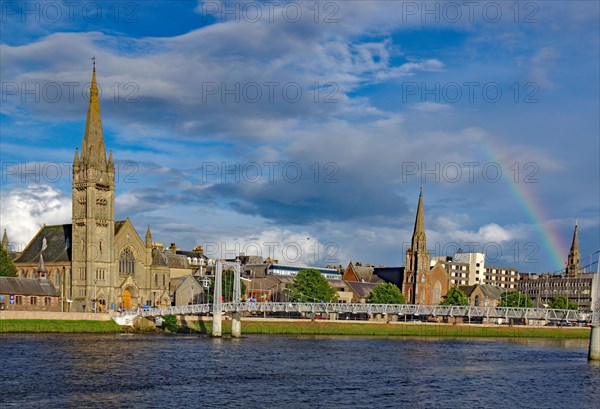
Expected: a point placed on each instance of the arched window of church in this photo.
(56, 277)
(156, 279)
(164, 280)
(476, 301)
(126, 262)
(437, 292)
(21, 274)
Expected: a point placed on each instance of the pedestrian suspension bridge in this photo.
(236, 308)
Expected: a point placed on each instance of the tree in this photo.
(386, 293)
(226, 287)
(455, 296)
(310, 286)
(515, 299)
(7, 267)
(562, 303)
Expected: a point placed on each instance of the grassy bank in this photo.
(57, 326)
(416, 330)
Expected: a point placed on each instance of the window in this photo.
(477, 301)
(164, 280)
(100, 274)
(82, 273)
(19, 299)
(47, 301)
(126, 262)
(155, 279)
(437, 292)
(32, 300)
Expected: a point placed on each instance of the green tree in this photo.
(7, 267)
(455, 296)
(515, 299)
(386, 293)
(562, 303)
(310, 286)
(226, 287)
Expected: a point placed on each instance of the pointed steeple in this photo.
(148, 237)
(573, 262)
(93, 151)
(418, 237)
(41, 269)
(76, 158)
(111, 163)
(5, 240)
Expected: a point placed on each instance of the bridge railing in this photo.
(391, 309)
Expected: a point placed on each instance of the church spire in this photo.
(573, 263)
(41, 269)
(93, 151)
(418, 237)
(148, 237)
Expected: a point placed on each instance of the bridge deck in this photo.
(392, 309)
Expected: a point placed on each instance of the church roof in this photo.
(27, 286)
(366, 275)
(361, 289)
(490, 292)
(118, 225)
(55, 242)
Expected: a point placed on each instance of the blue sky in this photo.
(304, 130)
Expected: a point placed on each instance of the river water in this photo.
(156, 371)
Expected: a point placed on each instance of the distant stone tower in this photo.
(93, 194)
(417, 256)
(5, 240)
(573, 262)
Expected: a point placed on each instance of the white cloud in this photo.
(25, 210)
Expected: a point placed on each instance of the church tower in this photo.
(417, 256)
(93, 194)
(573, 263)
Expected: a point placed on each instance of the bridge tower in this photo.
(236, 322)
(594, 350)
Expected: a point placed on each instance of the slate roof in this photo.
(366, 274)
(118, 225)
(394, 275)
(27, 286)
(176, 260)
(361, 289)
(491, 292)
(58, 245)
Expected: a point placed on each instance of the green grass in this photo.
(57, 326)
(413, 330)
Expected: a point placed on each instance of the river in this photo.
(157, 371)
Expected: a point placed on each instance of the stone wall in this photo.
(43, 315)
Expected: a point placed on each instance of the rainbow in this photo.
(525, 194)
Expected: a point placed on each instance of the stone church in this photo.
(423, 284)
(97, 262)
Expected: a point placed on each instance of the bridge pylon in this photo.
(594, 349)
(236, 321)
(217, 310)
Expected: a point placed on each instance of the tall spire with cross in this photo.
(417, 256)
(93, 151)
(573, 262)
(93, 210)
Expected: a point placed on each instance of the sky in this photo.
(304, 131)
